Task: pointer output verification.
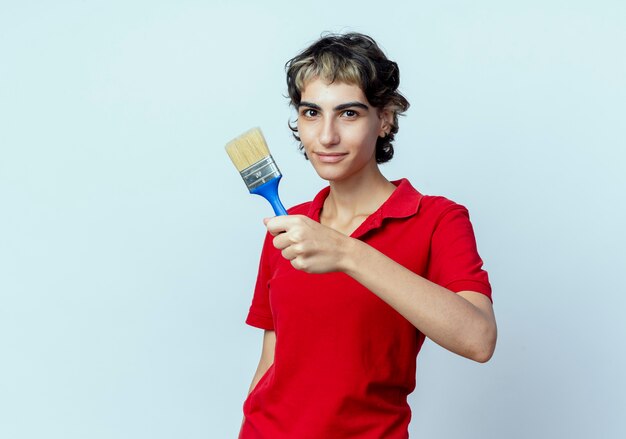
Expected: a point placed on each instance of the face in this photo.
(338, 128)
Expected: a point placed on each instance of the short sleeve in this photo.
(454, 260)
(260, 314)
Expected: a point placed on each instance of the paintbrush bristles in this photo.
(247, 149)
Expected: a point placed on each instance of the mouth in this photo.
(330, 157)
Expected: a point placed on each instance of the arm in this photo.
(266, 360)
(463, 322)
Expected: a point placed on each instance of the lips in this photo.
(330, 157)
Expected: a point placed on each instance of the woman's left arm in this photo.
(463, 322)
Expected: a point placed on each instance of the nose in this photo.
(329, 135)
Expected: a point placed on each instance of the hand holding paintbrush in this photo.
(251, 156)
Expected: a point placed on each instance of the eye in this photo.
(350, 114)
(309, 112)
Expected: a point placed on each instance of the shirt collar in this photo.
(402, 203)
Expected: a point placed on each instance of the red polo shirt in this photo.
(345, 361)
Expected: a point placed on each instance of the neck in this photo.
(360, 195)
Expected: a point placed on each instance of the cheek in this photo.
(369, 136)
(305, 140)
(303, 132)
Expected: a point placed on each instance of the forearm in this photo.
(445, 317)
(267, 357)
(266, 360)
(260, 371)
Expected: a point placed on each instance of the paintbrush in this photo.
(251, 156)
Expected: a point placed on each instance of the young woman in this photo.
(350, 284)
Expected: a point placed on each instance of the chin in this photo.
(328, 173)
(331, 177)
(327, 176)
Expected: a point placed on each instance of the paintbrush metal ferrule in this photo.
(260, 173)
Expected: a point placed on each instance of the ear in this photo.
(386, 121)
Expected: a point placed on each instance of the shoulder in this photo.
(446, 219)
(437, 207)
(407, 194)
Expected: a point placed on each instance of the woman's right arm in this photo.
(267, 357)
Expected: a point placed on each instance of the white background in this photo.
(129, 244)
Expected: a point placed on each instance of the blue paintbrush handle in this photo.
(269, 191)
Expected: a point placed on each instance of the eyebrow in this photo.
(340, 107)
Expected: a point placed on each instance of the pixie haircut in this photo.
(355, 59)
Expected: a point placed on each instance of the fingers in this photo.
(290, 234)
(282, 241)
(290, 253)
(286, 233)
(272, 226)
(308, 245)
(283, 223)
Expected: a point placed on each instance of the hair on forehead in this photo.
(328, 68)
